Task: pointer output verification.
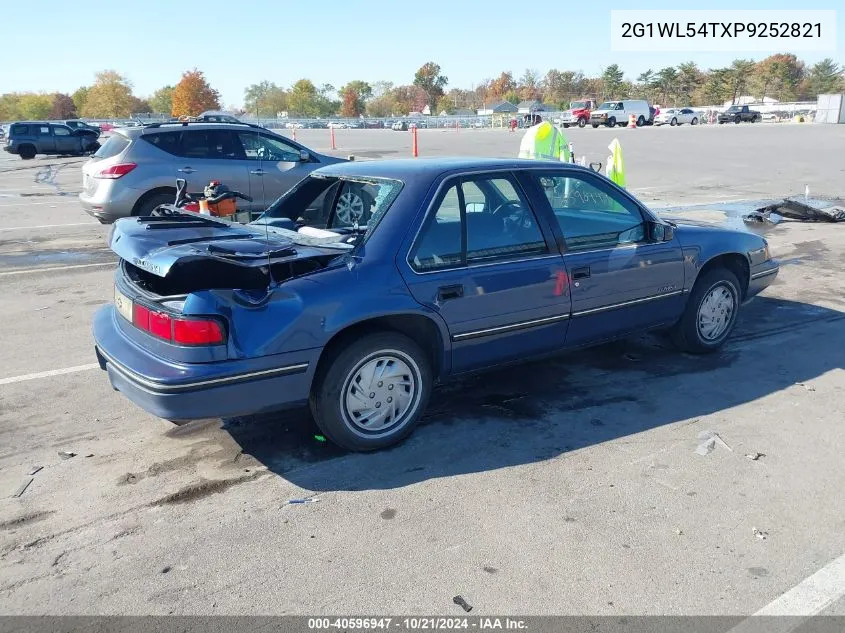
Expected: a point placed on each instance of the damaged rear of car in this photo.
(215, 319)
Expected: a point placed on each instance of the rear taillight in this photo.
(176, 330)
(115, 171)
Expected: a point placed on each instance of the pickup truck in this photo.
(578, 113)
(738, 114)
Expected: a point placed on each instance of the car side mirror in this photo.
(304, 156)
(662, 232)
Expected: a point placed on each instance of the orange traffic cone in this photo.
(632, 122)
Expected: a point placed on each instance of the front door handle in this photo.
(187, 170)
(257, 172)
(581, 273)
(444, 293)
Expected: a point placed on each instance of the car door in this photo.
(274, 165)
(65, 141)
(484, 262)
(45, 141)
(623, 277)
(210, 154)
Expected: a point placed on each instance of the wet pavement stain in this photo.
(55, 257)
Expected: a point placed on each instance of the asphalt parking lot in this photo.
(570, 486)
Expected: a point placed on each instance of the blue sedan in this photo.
(367, 283)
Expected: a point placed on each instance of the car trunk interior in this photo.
(209, 274)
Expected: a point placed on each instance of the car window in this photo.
(214, 144)
(60, 130)
(590, 216)
(496, 221)
(44, 130)
(261, 147)
(113, 146)
(165, 141)
(22, 130)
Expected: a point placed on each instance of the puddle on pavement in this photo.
(731, 214)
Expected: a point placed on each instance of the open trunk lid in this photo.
(158, 244)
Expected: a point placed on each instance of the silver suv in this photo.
(136, 168)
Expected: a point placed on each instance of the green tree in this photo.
(445, 104)
(79, 97)
(825, 77)
(612, 77)
(512, 96)
(265, 99)
(109, 97)
(740, 73)
(717, 87)
(9, 110)
(430, 80)
(689, 78)
(667, 79)
(562, 87)
(63, 107)
(35, 106)
(162, 101)
(303, 99)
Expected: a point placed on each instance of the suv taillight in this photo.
(116, 171)
(177, 330)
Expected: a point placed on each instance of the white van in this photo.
(611, 113)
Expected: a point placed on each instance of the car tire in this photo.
(566, 126)
(710, 313)
(582, 122)
(338, 390)
(149, 204)
(27, 152)
(694, 121)
(352, 200)
(611, 122)
(595, 125)
(738, 120)
(641, 121)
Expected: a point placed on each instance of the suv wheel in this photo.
(582, 122)
(370, 393)
(611, 122)
(640, 121)
(150, 203)
(27, 152)
(710, 314)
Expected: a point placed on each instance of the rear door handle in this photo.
(581, 273)
(257, 172)
(444, 293)
(187, 170)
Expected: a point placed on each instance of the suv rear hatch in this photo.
(106, 163)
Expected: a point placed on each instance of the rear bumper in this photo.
(762, 277)
(182, 392)
(108, 203)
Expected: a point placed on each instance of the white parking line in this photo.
(48, 374)
(808, 598)
(49, 268)
(48, 226)
(25, 203)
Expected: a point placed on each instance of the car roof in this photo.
(403, 168)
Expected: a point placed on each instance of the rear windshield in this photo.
(115, 144)
(20, 129)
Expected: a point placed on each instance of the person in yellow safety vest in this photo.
(544, 142)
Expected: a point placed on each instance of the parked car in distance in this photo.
(294, 125)
(76, 124)
(106, 127)
(337, 125)
(454, 266)
(136, 169)
(217, 116)
(676, 116)
(611, 113)
(739, 114)
(29, 138)
(578, 113)
(400, 126)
